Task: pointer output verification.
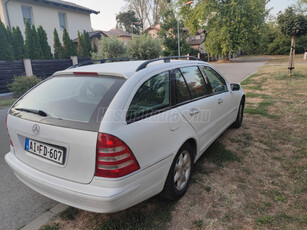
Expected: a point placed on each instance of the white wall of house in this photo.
(47, 16)
(2, 14)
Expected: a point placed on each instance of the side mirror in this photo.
(235, 87)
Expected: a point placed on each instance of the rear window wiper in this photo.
(38, 112)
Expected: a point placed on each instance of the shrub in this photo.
(22, 84)
(110, 47)
(144, 47)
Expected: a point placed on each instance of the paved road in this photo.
(18, 203)
(236, 72)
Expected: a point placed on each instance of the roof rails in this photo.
(90, 62)
(165, 59)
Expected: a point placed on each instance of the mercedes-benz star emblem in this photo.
(35, 129)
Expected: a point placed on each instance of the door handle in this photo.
(220, 101)
(194, 111)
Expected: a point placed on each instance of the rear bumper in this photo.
(101, 195)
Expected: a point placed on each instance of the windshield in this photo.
(70, 98)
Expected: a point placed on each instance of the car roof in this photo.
(126, 68)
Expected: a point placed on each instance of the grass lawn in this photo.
(254, 177)
(7, 102)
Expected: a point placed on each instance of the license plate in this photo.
(50, 152)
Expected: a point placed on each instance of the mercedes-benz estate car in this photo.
(104, 137)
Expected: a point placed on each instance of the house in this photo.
(153, 30)
(96, 35)
(198, 39)
(49, 14)
(120, 34)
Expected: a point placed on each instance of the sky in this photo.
(109, 8)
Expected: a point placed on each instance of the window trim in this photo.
(31, 14)
(65, 18)
(173, 90)
(207, 84)
(227, 88)
(153, 112)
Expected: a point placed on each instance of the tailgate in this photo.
(63, 152)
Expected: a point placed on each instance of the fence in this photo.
(45, 68)
(40, 68)
(7, 71)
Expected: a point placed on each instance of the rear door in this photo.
(149, 132)
(54, 127)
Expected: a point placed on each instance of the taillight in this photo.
(7, 130)
(114, 158)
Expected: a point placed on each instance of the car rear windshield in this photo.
(69, 101)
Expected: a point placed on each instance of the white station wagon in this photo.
(104, 137)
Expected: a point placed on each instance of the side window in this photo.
(182, 91)
(27, 14)
(195, 81)
(217, 83)
(153, 95)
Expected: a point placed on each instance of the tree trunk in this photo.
(292, 55)
(226, 58)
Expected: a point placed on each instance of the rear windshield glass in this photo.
(70, 98)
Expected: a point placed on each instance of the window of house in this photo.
(62, 19)
(27, 14)
(153, 95)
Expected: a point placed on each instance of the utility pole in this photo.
(178, 35)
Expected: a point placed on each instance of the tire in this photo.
(179, 176)
(238, 122)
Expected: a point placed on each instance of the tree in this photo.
(31, 50)
(149, 11)
(43, 41)
(141, 8)
(88, 43)
(144, 47)
(73, 48)
(110, 47)
(128, 21)
(18, 43)
(231, 24)
(6, 53)
(37, 52)
(84, 45)
(58, 48)
(277, 42)
(10, 39)
(9, 36)
(169, 36)
(79, 46)
(158, 8)
(67, 48)
(292, 25)
(94, 48)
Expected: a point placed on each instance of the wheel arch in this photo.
(191, 141)
(243, 100)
